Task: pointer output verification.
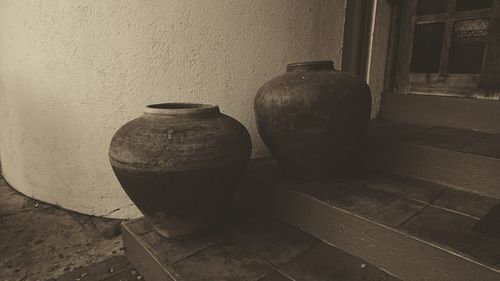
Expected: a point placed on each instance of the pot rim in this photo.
(311, 65)
(181, 108)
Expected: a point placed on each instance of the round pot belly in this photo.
(313, 118)
(181, 165)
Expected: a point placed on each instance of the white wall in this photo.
(72, 72)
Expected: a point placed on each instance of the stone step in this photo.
(248, 249)
(414, 229)
(462, 159)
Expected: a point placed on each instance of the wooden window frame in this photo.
(485, 85)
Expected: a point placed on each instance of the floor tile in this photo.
(414, 189)
(327, 191)
(276, 241)
(454, 231)
(490, 223)
(488, 146)
(268, 170)
(393, 130)
(465, 202)
(325, 262)
(380, 206)
(172, 251)
(445, 138)
(436, 141)
(224, 261)
(457, 133)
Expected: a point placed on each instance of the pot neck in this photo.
(311, 66)
(181, 109)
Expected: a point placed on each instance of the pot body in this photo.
(313, 118)
(181, 164)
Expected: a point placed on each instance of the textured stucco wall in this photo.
(72, 72)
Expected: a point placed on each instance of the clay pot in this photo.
(181, 163)
(313, 118)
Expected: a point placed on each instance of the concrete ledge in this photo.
(472, 114)
(461, 170)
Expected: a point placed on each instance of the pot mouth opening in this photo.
(311, 65)
(181, 108)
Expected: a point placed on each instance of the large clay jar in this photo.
(181, 163)
(313, 118)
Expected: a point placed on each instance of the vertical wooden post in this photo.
(356, 32)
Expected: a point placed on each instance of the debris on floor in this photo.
(39, 241)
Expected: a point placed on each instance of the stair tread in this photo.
(453, 139)
(250, 248)
(439, 215)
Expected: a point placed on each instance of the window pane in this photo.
(467, 46)
(465, 5)
(427, 45)
(430, 7)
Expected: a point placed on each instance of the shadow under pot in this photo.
(181, 163)
(313, 119)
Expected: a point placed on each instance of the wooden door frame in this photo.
(475, 114)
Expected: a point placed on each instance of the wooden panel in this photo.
(355, 36)
(474, 14)
(471, 114)
(392, 47)
(463, 85)
(489, 83)
(405, 46)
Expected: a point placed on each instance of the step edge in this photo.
(373, 149)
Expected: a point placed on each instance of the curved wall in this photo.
(72, 72)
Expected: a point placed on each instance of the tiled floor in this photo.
(435, 213)
(256, 249)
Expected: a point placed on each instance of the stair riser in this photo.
(471, 114)
(138, 255)
(479, 174)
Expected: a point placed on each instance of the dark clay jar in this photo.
(313, 118)
(180, 164)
